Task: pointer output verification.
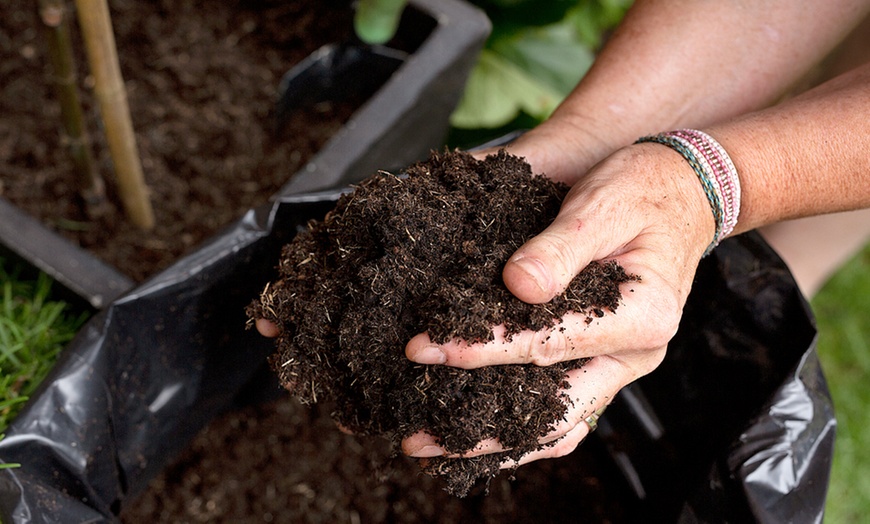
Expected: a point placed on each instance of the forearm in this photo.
(690, 64)
(807, 156)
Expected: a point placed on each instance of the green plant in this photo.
(537, 53)
(33, 329)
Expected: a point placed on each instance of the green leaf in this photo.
(552, 54)
(537, 53)
(592, 18)
(512, 14)
(376, 21)
(530, 70)
(497, 91)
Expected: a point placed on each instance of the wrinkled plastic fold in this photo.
(143, 377)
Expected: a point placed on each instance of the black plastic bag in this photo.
(736, 425)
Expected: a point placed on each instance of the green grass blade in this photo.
(33, 329)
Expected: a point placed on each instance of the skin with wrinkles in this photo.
(667, 68)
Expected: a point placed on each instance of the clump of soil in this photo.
(402, 255)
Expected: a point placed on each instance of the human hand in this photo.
(643, 207)
(267, 328)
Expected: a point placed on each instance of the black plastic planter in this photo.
(405, 116)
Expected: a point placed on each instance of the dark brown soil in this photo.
(283, 462)
(201, 81)
(403, 255)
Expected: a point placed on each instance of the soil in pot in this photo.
(398, 256)
(202, 80)
(283, 462)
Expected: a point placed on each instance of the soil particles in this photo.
(202, 80)
(423, 252)
(285, 461)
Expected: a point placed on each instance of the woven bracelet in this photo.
(716, 172)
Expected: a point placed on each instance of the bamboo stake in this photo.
(96, 28)
(91, 186)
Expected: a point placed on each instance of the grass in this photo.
(842, 309)
(33, 330)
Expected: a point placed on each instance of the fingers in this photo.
(585, 229)
(527, 347)
(647, 319)
(422, 445)
(624, 210)
(585, 397)
(621, 204)
(267, 328)
(565, 445)
(578, 423)
(344, 429)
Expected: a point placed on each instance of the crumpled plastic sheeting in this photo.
(746, 420)
(761, 339)
(144, 376)
(741, 416)
(780, 483)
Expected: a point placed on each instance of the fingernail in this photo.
(427, 452)
(536, 271)
(430, 354)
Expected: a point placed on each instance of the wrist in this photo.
(716, 174)
(565, 147)
(668, 185)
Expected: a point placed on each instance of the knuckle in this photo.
(647, 365)
(548, 347)
(659, 337)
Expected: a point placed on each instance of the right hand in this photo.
(644, 207)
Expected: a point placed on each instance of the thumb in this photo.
(545, 265)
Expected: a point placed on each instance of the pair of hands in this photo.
(644, 207)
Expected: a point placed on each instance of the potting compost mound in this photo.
(423, 252)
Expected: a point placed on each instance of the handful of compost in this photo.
(403, 255)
